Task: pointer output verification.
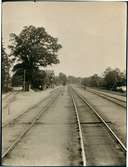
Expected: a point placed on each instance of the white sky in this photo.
(93, 34)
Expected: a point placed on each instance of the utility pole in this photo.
(24, 79)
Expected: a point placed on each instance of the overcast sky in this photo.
(92, 34)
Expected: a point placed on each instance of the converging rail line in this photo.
(113, 99)
(32, 123)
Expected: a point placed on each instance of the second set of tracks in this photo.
(30, 118)
(113, 98)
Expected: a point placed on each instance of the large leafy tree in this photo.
(31, 49)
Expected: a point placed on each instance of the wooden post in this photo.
(24, 80)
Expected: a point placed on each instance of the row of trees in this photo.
(32, 49)
(5, 67)
(41, 80)
(46, 79)
(111, 79)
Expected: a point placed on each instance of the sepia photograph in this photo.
(63, 81)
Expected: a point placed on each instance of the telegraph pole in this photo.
(24, 79)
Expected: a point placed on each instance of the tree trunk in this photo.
(27, 86)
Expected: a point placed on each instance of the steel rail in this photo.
(103, 93)
(28, 110)
(108, 98)
(80, 132)
(13, 145)
(103, 121)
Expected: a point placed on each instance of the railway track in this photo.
(94, 142)
(88, 119)
(115, 100)
(18, 131)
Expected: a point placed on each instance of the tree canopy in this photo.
(31, 49)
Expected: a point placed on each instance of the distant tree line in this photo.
(73, 80)
(111, 79)
(62, 79)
